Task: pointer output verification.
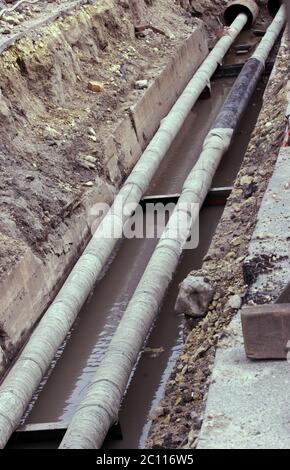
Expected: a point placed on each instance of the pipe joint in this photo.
(235, 8)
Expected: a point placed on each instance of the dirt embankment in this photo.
(180, 413)
(53, 130)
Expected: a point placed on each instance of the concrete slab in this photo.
(248, 404)
(272, 233)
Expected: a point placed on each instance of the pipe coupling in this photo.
(249, 7)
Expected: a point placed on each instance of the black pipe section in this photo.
(240, 95)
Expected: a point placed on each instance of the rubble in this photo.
(235, 302)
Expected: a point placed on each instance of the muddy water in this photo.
(188, 144)
(60, 394)
(164, 345)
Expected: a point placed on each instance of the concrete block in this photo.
(266, 330)
(270, 243)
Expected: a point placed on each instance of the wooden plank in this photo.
(266, 330)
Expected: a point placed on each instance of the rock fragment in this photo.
(156, 413)
(194, 297)
(235, 301)
(96, 87)
(141, 84)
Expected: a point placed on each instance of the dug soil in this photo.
(53, 128)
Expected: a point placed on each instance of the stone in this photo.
(194, 297)
(86, 163)
(245, 180)
(156, 413)
(235, 301)
(90, 158)
(51, 133)
(141, 84)
(91, 131)
(96, 87)
(12, 20)
(192, 437)
(236, 241)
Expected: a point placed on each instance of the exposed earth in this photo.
(53, 128)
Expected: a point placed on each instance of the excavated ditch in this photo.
(51, 125)
(64, 387)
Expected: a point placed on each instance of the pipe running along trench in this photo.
(25, 376)
(99, 409)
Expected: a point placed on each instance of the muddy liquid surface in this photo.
(187, 146)
(61, 392)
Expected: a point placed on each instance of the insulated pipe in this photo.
(22, 381)
(99, 409)
(249, 7)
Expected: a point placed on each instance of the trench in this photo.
(75, 364)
